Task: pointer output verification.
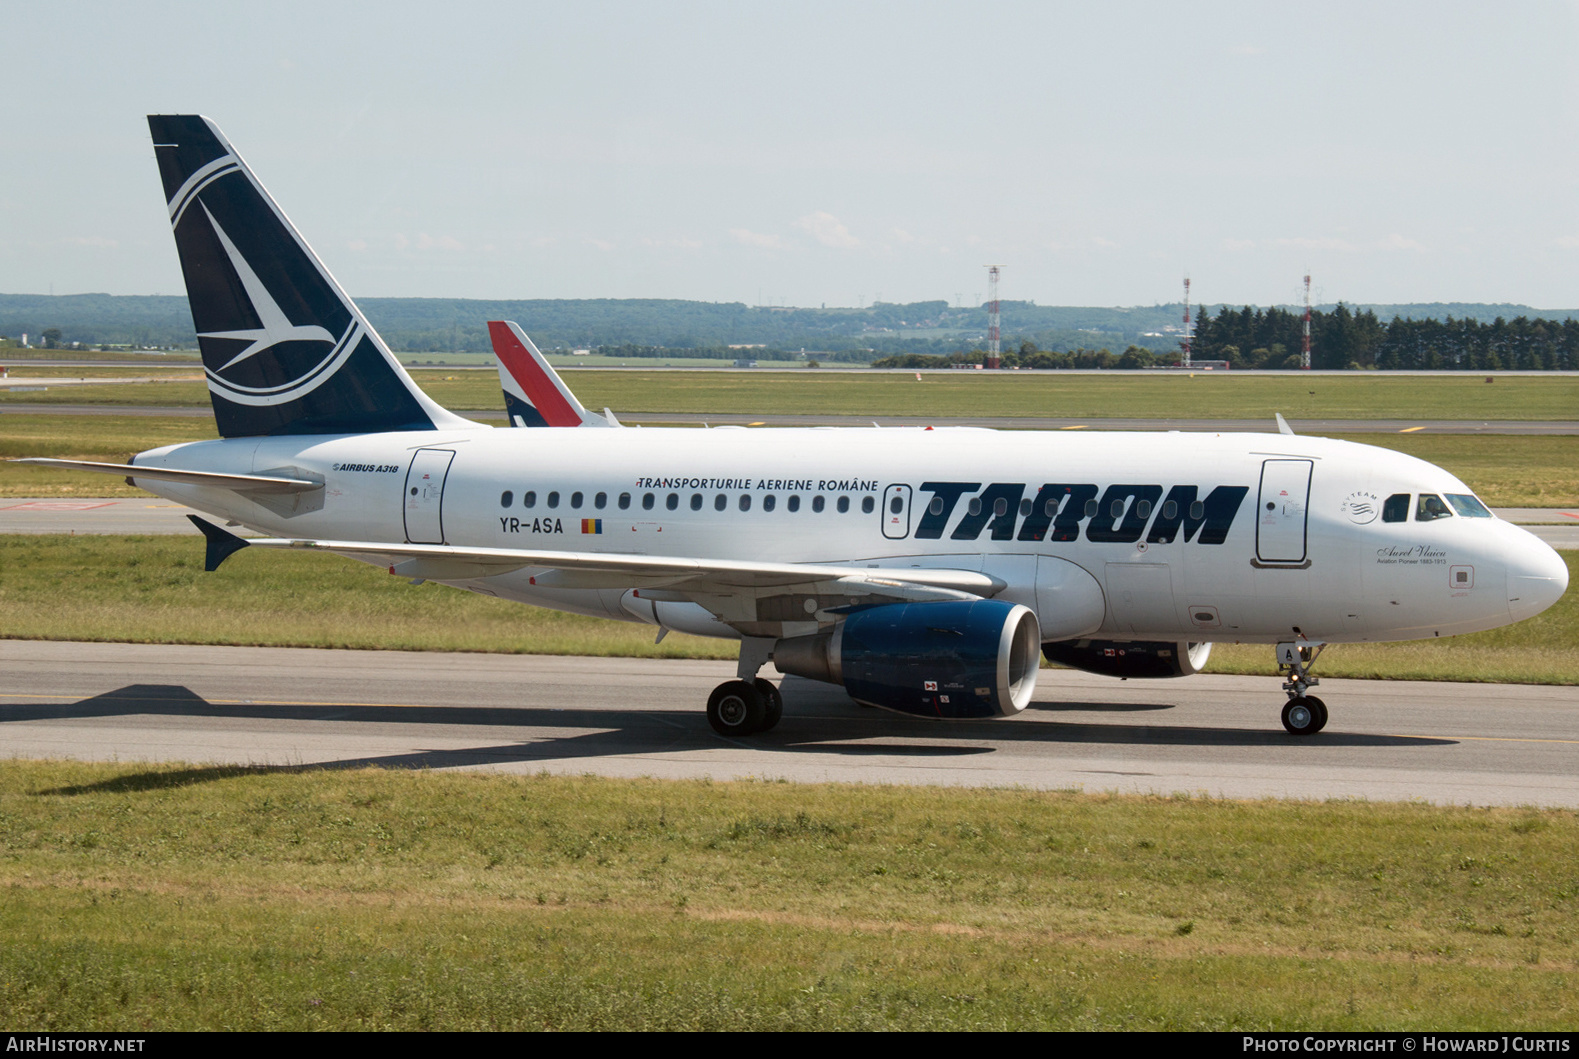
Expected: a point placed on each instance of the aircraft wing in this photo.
(688, 577)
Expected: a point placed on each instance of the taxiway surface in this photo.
(1219, 735)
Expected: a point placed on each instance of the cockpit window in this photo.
(1430, 507)
(1396, 508)
(1468, 506)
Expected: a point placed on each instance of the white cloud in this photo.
(1400, 242)
(1394, 241)
(827, 230)
(750, 238)
(1238, 244)
(1303, 243)
(441, 242)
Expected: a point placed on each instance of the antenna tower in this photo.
(1189, 336)
(1304, 360)
(994, 348)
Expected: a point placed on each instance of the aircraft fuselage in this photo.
(1202, 537)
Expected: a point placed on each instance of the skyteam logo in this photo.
(307, 353)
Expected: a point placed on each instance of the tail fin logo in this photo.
(275, 330)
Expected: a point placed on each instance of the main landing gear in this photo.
(749, 704)
(742, 707)
(1304, 714)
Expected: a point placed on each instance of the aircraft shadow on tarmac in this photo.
(816, 727)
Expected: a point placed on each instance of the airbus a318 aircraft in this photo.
(924, 570)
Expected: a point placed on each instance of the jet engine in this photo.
(1130, 658)
(952, 659)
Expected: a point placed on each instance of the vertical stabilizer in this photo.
(284, 349)
(534, 394)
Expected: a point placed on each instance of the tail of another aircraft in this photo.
(285, 350)
(534, 394)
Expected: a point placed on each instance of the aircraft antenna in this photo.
(994, 347)
(1189, 336)
(1304, 361)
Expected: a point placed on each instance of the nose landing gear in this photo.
(1304, 714)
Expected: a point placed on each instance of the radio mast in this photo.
(1188, 335)
(1304, 361)
(994, 348)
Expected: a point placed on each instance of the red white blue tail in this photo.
(534, 394)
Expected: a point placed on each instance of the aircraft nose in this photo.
(1537, 577)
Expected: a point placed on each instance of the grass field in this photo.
(1505, 470)
(154, 590)
(1364, 395)
(169, 898)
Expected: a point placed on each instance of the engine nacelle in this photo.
(953, 659)
(1130, 658)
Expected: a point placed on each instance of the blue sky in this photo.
(810, 153)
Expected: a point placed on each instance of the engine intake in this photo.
(1130, 658)
(954, 659)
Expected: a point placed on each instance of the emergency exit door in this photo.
(424, 499)
(896, 512)
(1281, 515)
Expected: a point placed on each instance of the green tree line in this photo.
(1272, 338)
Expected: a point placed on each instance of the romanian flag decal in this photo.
(591, 525)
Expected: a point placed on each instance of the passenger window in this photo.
(1197, 511)
(672, 502)
(794, 503)
(1143, 509)
(936, 507)
(600, 501)
(974, 507)
(1025, 507)
(1170, 510)
(745, 501)
(529, 498)
(1050, 508)
(896, 505)
(844, 504)
(647, 501)
(625, 501)
(867, 505)
(1396, 508)
(1430, 507)
(575, 499)
(768, 502)
(696, 501)
(720, 502)
(553, 499)
(1115, 510)
(1092, 507)
(817, 503)
(506, 498)
(1000, 506)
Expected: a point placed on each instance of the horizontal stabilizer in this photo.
(241, 483)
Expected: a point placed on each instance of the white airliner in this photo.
(924, 570)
